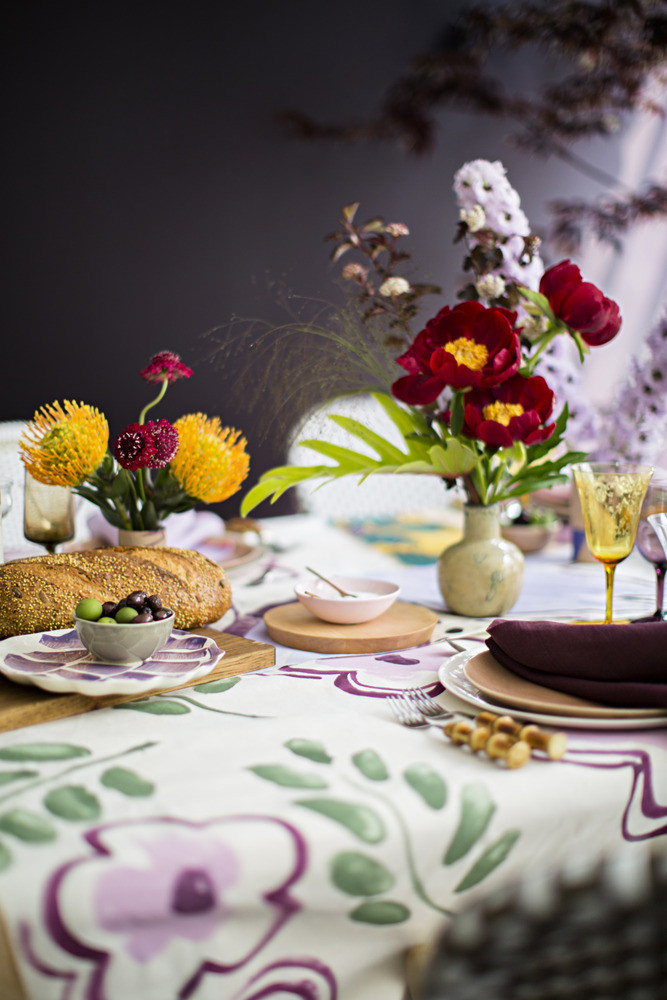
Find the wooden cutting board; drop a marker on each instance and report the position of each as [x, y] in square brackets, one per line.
[26, 705]
[400, 627]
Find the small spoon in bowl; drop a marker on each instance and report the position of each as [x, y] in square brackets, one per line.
[343, 593]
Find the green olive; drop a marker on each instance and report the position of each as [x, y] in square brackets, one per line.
[105, 620]
[124, 615]
[89, 609]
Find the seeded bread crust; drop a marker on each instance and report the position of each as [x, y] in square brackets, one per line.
[39, 594]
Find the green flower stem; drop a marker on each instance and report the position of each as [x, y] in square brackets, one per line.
[417, 883]
[122, 513]
[141, 486]
[75, 767]
[149, 406]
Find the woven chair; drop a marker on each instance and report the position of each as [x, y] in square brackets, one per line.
[377, 496]
[597, 932]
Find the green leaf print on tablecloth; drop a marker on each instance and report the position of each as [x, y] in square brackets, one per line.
[6, 777]
[126, 782]
[73, 802]
[27, 826]
[371, 765]
[43, 752]
[363, 822]
[489, 860]
[285, 776]
[158, 706]
[476, 812]
[217, 687]
[69, 802]
[428, 784]
[310, 749]
[381, 912]
[358, 874]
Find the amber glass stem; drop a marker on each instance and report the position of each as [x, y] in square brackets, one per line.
[609, 571]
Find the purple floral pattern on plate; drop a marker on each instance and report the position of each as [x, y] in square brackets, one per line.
[57, 661]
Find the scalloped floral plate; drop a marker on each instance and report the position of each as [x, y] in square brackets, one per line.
[57, 661]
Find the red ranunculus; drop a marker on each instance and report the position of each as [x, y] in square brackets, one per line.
[513, 411]
[580, 304]
[468, 346]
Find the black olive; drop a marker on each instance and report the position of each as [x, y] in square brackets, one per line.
[162, 613]
[142, 618]
[136, 599]
[154, 602]
[109, 609]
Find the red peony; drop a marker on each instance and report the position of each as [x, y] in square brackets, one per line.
[513, 411]
[580, 304]
[469, 346]
[165, 365]
[134, 448]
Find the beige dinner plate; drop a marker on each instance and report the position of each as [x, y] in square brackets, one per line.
[451, 674]
[492, 679]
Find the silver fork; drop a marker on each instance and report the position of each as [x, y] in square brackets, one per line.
[427, 705]
[408, 714]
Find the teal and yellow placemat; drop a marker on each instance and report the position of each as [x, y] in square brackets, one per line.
[410, 538]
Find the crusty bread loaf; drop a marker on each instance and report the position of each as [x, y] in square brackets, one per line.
[40, 593]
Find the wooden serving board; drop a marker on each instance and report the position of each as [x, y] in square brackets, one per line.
[400, 627]
[26, 705]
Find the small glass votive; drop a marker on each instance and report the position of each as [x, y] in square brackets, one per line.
[48, 514]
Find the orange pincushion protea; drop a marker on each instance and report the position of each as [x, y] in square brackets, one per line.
[64, 445]
[211, 461]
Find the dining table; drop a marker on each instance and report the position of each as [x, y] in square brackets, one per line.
[278, 832]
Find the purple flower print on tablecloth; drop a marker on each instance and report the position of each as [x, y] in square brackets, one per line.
[186, 878]
[169, 893]
[380, 674]
[300, 978]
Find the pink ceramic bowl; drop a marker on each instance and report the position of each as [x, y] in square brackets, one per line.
[375, 597]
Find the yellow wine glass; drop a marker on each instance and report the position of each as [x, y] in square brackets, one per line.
[611, 495]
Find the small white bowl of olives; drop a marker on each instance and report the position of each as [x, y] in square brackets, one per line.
[126, 632]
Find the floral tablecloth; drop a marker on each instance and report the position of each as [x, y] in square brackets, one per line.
[279, 834]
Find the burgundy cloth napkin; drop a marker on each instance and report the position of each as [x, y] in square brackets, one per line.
[623, 665]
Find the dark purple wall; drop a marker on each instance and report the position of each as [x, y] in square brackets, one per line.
[150, 190]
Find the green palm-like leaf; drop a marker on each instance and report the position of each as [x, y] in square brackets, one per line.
[425, 453]
[389, 453]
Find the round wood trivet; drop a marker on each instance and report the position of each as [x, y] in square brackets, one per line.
[400, 627]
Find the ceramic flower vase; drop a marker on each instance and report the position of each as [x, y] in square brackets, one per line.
[481, 576]
[152, 539]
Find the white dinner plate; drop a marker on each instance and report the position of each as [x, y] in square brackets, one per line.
[230, 550]
[57, 661]
[451, 675]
